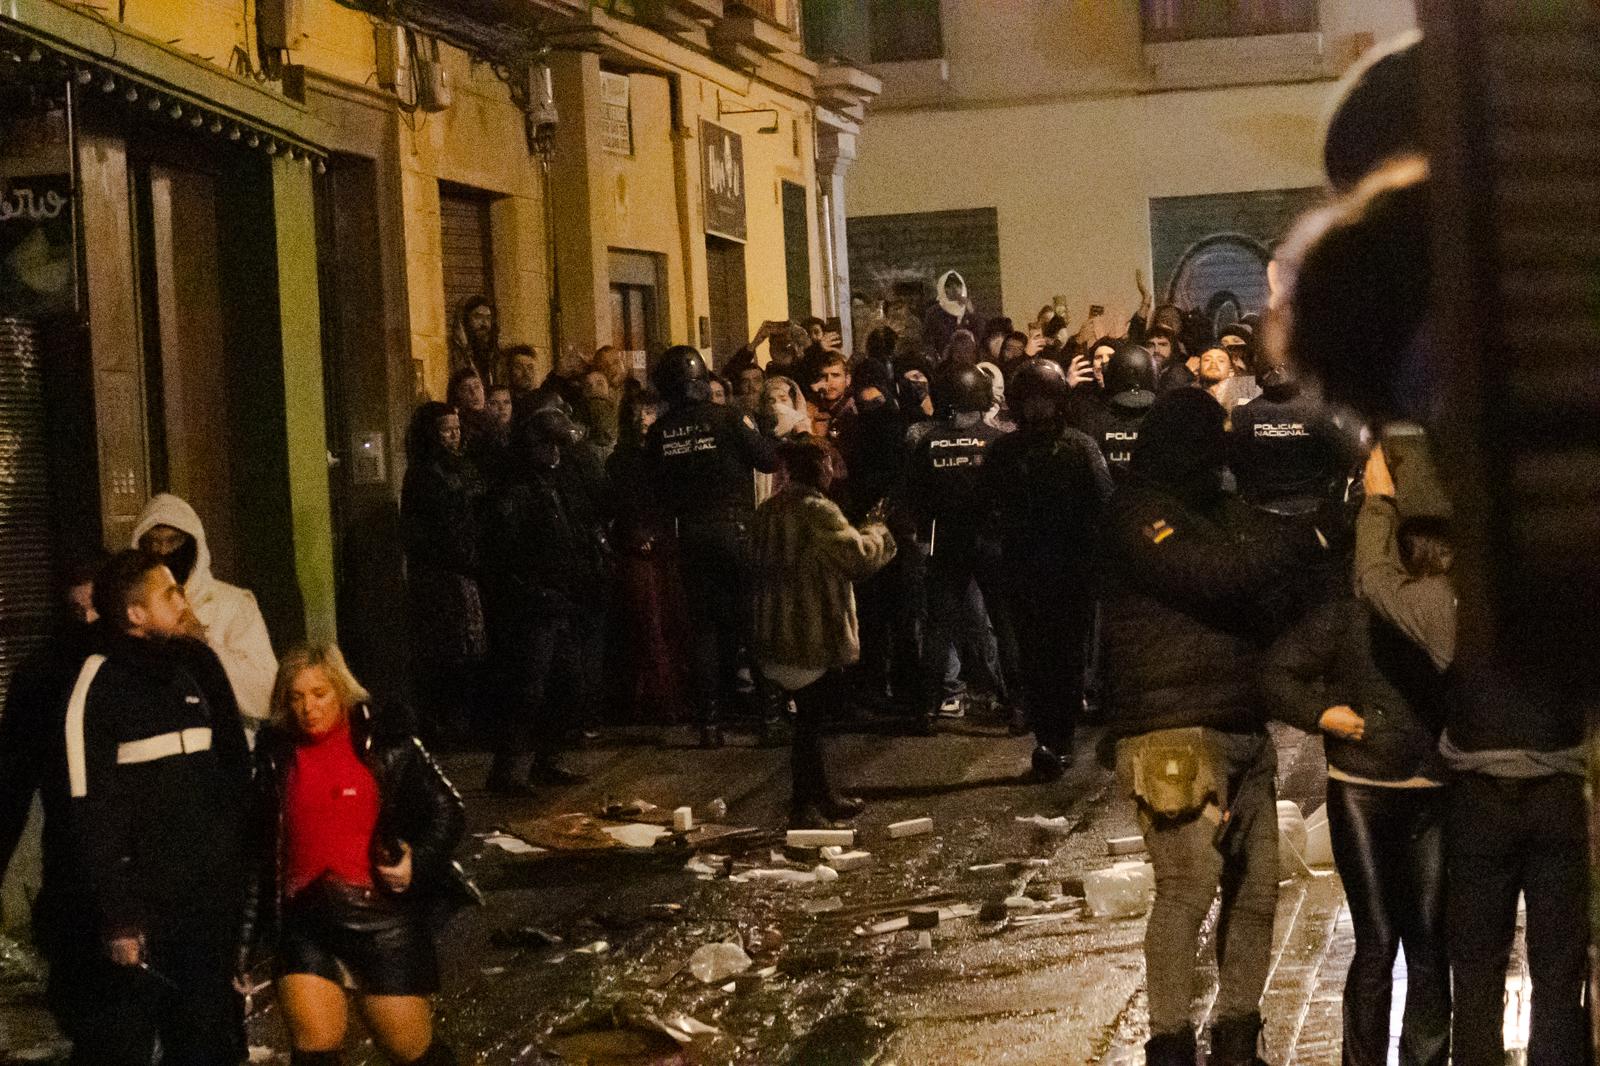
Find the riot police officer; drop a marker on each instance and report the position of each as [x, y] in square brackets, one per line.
[1112, 420]
[704, 456]
[1047, 483]
[1292, 457]
[945, 496]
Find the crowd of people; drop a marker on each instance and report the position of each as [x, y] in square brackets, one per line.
[1168, 526]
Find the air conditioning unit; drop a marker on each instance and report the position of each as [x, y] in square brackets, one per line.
[280, 24]
[392, 46]
[433, 85]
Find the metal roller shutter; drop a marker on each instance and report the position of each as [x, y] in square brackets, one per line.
[25, 532]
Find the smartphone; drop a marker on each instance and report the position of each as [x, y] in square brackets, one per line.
[833, 325]
[1096, 310]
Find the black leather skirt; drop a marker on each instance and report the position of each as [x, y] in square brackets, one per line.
[359, 937]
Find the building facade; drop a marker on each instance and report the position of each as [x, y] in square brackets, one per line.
[266, 218]
[1050, 150]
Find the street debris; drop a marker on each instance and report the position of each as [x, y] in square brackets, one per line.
[512, 845]
[1125, 890]
[523, 937]
[1319, 846]
[911, 827]
[683, 819]
[1058, 825]
[846, 861]
[819, 838]
[1117, 846]
[635, 834]
[564, 832]
[714, 963]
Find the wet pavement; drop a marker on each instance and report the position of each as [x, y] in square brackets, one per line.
[1056, 986]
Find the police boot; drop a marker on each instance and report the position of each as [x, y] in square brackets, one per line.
[1171, 1049]
[316, 1058]
[438, 1054]
[1048, 767]
[1234, 1041]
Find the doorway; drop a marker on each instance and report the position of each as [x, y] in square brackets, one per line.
[796, 251]
[725, 286]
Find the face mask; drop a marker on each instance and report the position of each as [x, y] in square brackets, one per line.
[181, 561]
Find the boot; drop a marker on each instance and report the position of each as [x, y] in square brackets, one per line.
[1234, 1041]
[841, 808]
[438, 1054]
[1047, 766]
[552, 774]
[1171, 1049]
[316, 1058]
[810, 816]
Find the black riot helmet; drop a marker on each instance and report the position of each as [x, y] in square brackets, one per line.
[1130, 377]
[1038, 391]
[961, 387]
[681, 376]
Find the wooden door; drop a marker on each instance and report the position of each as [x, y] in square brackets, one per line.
[725, 285]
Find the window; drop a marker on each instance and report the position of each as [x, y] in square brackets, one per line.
[905, 31]
[1188, 20]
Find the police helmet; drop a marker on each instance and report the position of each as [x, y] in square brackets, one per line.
[681, 376]
[963, 387]
[548, 425]
[1037, 379]
[1130, 375]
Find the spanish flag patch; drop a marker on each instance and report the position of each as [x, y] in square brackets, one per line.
[1158, 531]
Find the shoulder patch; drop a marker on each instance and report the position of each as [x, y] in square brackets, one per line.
[1158, 531]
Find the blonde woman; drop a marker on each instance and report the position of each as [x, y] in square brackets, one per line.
[355, 828]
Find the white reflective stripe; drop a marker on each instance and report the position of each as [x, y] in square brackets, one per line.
[164, 746]
[77, 764]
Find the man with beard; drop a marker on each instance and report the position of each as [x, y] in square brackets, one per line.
[1172, 361]
[1195, 589]
[703, 456]
[1048, 483]
[1113, 421]
[475, 342]
[158, 771]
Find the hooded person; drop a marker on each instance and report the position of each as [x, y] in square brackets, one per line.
[475, 342]
[235, 630]
[952, 310]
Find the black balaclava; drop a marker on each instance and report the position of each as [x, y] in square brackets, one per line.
[1183, 446]
[181, 559]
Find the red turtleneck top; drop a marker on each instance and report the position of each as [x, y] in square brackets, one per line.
[330, 812]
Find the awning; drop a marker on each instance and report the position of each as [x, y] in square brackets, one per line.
[106, 55]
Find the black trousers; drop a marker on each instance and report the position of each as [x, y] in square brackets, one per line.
[1506, 837]
[808, 770]
[713, 559]
[62, 931]
[185, 999]
[1388, 844]
[1053, 621]
[557, 652]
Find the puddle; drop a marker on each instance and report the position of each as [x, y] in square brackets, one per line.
[844, 1040]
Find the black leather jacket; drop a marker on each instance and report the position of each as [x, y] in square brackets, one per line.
[417, 805]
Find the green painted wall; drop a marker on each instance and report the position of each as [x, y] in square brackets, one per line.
[299, 310]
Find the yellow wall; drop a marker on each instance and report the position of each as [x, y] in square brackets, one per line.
[650, 201]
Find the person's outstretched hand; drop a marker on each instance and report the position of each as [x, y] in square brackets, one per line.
[1377, 480]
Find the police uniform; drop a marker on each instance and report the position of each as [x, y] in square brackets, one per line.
[1114, 427]
[704, 455]
[944, 489]
[1048, 484]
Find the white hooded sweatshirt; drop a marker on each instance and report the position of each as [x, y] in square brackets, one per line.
[234, 626]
